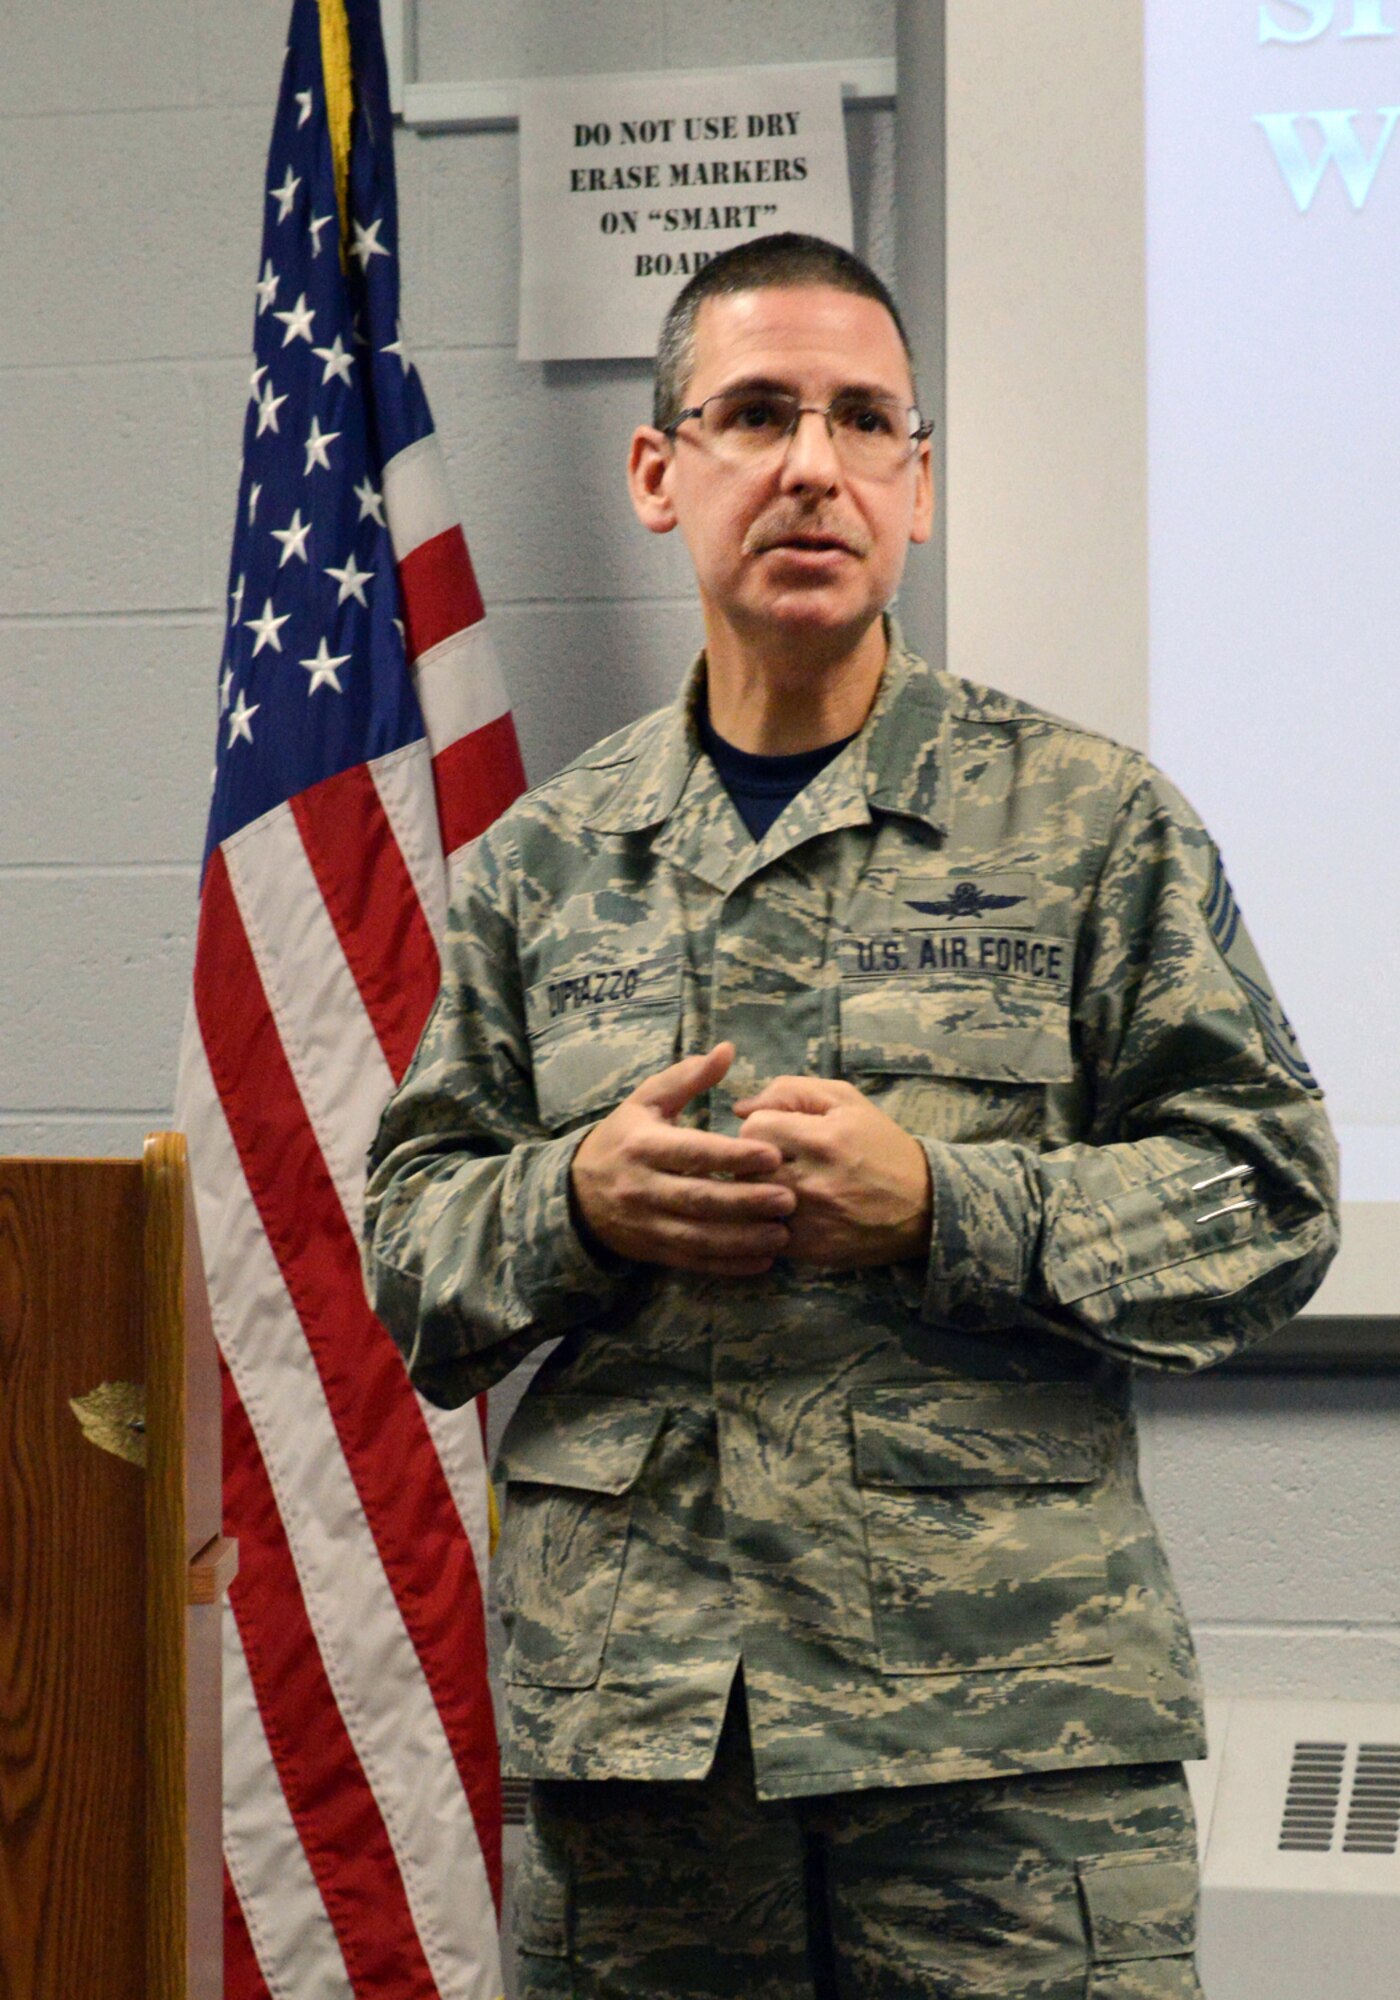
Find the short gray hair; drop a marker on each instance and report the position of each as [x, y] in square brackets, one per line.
[785, 259]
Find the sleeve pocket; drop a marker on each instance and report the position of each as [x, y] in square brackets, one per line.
[1140, 1917]
[1168, 1223]
[570, 1464]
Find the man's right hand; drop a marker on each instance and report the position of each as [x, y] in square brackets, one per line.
[663, 1193]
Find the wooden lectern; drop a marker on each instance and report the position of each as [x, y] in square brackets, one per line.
[112, 1568]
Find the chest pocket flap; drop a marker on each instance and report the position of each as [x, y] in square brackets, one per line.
[595, 1034]
[1005, 1030]
[1015, 1436]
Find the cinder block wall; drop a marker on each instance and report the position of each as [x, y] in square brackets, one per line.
[132, 148]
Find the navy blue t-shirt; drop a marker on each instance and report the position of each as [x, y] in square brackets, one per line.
[761, 786]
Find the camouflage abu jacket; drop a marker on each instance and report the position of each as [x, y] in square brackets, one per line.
[906, 1497]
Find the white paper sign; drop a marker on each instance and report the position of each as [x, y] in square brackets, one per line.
[629, 184]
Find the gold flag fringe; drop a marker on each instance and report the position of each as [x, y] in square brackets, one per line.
[335, 70]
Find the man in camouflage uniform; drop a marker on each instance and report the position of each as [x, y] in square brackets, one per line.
[857, 1162]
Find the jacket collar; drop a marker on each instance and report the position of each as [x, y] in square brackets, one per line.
[906, 737]
[898, 762]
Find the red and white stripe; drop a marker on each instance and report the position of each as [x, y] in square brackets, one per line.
[362, 1811]
[476, 765]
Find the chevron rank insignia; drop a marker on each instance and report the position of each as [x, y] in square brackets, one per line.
[1236, 947]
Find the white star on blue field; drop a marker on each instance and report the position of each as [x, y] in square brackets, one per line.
[312, 678]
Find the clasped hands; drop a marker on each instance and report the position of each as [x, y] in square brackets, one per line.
[816, 1173]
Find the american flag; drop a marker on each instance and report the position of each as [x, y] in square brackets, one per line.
[363, 740]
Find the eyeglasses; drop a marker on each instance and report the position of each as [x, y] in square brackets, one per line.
[874, 435]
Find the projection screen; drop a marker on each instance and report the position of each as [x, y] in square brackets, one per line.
[1171, 411]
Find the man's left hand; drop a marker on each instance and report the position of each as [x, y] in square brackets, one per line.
[861, 1181]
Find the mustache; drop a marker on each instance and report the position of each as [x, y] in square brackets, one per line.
[787, 523]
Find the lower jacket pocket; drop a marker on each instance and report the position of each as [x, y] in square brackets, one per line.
[982, 1527]
[570, 1464]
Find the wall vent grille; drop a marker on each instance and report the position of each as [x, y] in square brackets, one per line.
[1314, 1794]
[1373, 1814]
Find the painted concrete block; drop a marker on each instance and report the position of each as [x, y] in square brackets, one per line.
[137, 233]
[99, 495]
[94, 974]
[108, 740]
[1278, 1499]
[537, 455]
[1291, 1663]
[870, 153]
[537, 38]
[411, 170]
[239, 51]
[83, 1137]
[459, 201]
[575, 673]
[728, 34]
[223, 391]
[69, 55]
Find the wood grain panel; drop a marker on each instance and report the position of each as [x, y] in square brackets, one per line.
[184, 1902]
[166, 1559]
[213, 1570]
[72, 1586]
[204, 1803]
[204, 1510]
[204, 1417]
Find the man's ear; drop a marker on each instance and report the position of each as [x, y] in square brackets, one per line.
[921, 527]
[649, 466]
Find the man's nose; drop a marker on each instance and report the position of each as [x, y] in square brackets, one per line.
[810, 457]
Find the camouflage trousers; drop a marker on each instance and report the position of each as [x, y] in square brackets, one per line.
[1068, 1885]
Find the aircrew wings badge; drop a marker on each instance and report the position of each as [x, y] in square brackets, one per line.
[964, 899]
